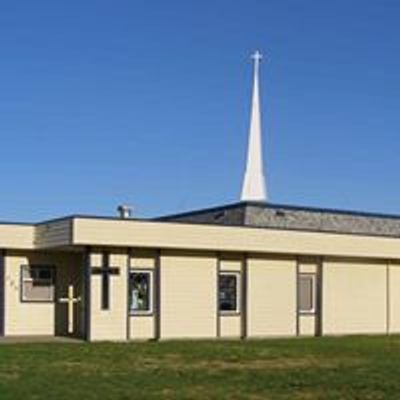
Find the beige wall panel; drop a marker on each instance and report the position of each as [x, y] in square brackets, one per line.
[230, 263]
[96, 259]
[153, 234]
[16, 236]
[308, 267]
[271, 297]
[109, 324]
[188, 295]
[394, 298]
[132, 233]
[24, 318]
[354, 297]
[143, 259]
[307, 325]
[30, 318]
[230, 326]
[142, 327]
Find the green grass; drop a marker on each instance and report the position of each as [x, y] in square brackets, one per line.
[316, 368]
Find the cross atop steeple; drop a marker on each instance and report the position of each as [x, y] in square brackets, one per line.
[254, 182]
[257, 56]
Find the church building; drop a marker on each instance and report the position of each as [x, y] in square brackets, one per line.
[251, 269]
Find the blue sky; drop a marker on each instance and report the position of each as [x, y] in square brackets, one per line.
[147, 103]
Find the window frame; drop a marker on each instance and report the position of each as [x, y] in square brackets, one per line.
[53, 280]
[313, 277]
[237, 310]
[150, 311]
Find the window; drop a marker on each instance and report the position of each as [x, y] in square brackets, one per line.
[140, 292]
[38, 283]
[228, 292]
[307, 293]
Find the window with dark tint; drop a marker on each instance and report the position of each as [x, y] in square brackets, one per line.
[37, 283]
[228, 292]
[140, 291]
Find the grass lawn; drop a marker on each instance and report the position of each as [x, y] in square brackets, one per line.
[316, 368]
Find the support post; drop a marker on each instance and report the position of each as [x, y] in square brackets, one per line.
[297, 297]
[157, 297]
[87, 292]
[218, 317]
[319, 314]
[243, 310]
[129, 254]
[2, 291]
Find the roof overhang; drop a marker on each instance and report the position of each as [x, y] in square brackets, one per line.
[169, 235]
[15, 236]
[74, 232]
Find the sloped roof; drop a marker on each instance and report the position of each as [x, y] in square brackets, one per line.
[275, 216]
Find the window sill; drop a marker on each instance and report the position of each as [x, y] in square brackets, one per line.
[141, 314]
[229, 313]
[38, 301]
[307, 313]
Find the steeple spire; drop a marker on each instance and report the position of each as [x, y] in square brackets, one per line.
[254, 182]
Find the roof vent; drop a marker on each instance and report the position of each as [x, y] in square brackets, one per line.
[124, 211]
[219, 215]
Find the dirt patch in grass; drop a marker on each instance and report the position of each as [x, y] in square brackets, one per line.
[276, 364]
[11, 375]
[177, 362]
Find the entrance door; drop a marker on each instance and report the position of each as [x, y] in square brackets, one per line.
[69, 302]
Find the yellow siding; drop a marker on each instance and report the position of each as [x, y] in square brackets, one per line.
[230, 326]
[188, 295]
[153, 234]
[354, 297]
[16, 236]
[394, 298]
[109, 324]
[143, 327]
[143, 259]
[53, 234]
[271, 296]
[360, 292]
[308, 266]
[131, 233]
[230, 263]
[29, 318]
[307, 325]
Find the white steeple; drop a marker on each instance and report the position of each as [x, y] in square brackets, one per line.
[254, 182]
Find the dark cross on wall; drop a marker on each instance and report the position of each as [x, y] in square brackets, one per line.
[105, 271]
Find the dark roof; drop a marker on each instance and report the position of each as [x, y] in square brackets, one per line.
[276, 216]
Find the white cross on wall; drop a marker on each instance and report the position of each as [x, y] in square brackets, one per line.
[70, 300]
